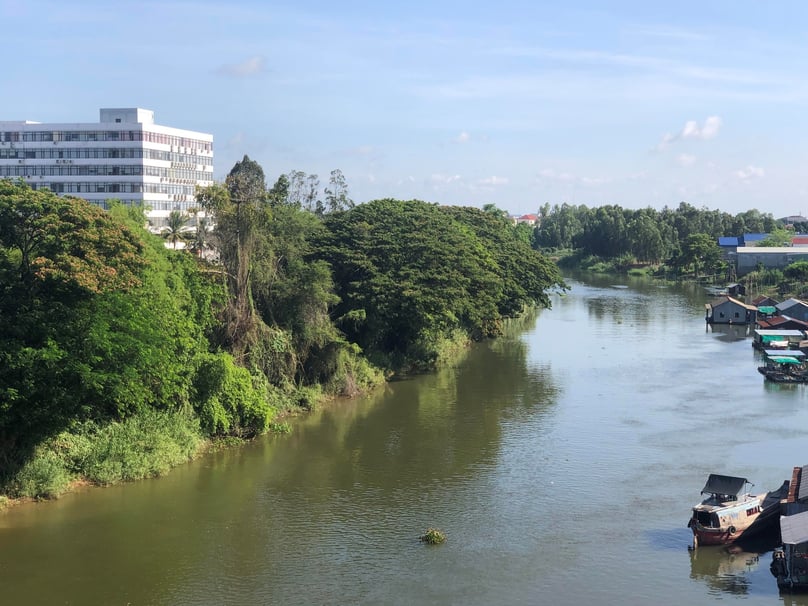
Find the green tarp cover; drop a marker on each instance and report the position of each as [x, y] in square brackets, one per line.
[770, 338]
[786, 360]
[767, 309]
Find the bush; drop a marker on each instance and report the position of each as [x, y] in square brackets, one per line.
[231, 400]
[145, 446]
[43, 477]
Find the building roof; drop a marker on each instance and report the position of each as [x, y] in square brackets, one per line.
[754, 237]
[789, 303]
[771, 250]
[794, 528]
[779, 333]
[799, 241]
[728, 241]
[784, 353]
[727, 299]
[761, 298]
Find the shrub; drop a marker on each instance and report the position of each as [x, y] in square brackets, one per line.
[231, 400]
[43, 477]
[145, 446]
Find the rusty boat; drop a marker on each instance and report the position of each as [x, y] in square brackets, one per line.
[729, 510]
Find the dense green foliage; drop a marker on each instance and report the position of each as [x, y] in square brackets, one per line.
[119, 355]
[645, 235]
[98, 322]
[410, 274]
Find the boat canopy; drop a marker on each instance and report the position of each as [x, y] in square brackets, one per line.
[772, 332]
[769, 310]
[785, 360]
[794, 528]
[728, 485]
[784, 353]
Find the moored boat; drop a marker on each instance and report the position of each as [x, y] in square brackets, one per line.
[729, 511]
[784, 366]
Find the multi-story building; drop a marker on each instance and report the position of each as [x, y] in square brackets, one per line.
[125, 156]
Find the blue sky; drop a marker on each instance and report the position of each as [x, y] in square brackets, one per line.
[512, 103]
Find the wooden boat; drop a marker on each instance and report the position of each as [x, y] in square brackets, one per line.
[729, 511]
[784, 367]
[790, 563]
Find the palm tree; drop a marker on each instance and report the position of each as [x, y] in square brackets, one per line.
[199, 241]
[173, 231]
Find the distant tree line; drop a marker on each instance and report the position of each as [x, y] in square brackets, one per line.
[676, 236]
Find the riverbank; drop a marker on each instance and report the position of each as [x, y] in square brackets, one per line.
[152, 444]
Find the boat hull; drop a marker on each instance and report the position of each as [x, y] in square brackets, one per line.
[731, 522]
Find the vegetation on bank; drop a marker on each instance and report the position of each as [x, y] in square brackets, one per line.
[120, 357]
[671, 244]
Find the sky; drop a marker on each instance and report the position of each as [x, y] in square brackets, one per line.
[513, 103]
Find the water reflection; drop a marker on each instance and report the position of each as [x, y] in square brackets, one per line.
[731, 568]
[729, 333]
[724, 569]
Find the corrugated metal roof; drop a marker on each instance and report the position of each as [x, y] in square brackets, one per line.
[794, 528]
[779, 333]
[790, 353]
[803, 487]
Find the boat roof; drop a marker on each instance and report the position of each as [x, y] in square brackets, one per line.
[784, 353]
[768, 332]
[718, 484]
[794, 528]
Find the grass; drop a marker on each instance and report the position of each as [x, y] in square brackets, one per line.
[144, 446]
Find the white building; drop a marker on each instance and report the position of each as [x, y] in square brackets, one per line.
[125, 156]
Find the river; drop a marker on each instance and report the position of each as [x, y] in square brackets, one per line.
[561, 461]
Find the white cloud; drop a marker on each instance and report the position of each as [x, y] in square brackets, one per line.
[750, 172]
[248, 67]
[441, 179]
[493, 181]
[692, 130]
[685, 160]
[463, 137]
[708, 131]
[549, 173]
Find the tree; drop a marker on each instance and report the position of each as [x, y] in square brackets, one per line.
[279, 194]
[797, 271]
[644, 238]
[311, 198]
[175, 229]
[336, 195]
[700, 251]
[409, 274]
[777, 237]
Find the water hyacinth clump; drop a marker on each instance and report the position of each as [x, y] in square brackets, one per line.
[433, 536]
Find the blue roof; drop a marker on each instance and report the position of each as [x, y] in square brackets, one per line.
[754, 237]
[728, 241]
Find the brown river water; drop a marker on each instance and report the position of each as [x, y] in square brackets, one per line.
[561, 461]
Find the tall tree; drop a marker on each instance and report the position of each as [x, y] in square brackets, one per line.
[336, 194]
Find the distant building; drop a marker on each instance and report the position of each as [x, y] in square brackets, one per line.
[792, 219]
[793, 308]
[747, 258]
[799, 240]
[125, 156]
[531, 220]
[728, 310]
[751, 239]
